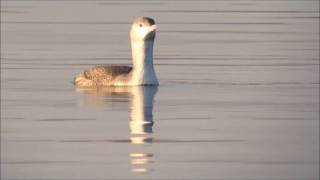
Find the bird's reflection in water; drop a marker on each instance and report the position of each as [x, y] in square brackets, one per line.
[141, 118]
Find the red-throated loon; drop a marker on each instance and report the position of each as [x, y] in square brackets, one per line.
[142, 35]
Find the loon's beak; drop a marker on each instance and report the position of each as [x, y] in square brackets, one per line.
[153, 28]
[151, 32]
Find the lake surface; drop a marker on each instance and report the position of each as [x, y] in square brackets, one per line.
[238, 95]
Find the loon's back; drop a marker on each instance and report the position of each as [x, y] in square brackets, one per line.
[104, 75]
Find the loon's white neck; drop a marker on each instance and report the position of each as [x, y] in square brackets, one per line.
[142, 56]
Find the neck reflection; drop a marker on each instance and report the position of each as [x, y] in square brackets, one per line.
[141, 114]
[141, 124]
[141, 119]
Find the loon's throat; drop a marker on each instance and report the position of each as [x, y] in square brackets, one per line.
[142, 57]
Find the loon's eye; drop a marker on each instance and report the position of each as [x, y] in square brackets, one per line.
[140, 25]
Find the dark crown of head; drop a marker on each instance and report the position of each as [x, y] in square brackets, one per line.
[145, 20]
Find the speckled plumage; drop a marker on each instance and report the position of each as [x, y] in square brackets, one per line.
[103, 75]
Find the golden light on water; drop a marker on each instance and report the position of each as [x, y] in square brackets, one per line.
[140, 162]
[138, 126]
[139, 170]
[139, 155]
[138, 140]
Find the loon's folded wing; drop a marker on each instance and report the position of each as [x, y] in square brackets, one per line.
[101, 75]
[106, 72]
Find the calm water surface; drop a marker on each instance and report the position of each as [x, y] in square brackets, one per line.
[238, 97]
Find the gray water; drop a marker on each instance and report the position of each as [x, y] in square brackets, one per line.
[238, 95]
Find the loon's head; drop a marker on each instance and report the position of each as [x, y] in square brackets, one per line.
[143, 29]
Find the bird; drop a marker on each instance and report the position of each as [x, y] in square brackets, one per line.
[141, 73]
